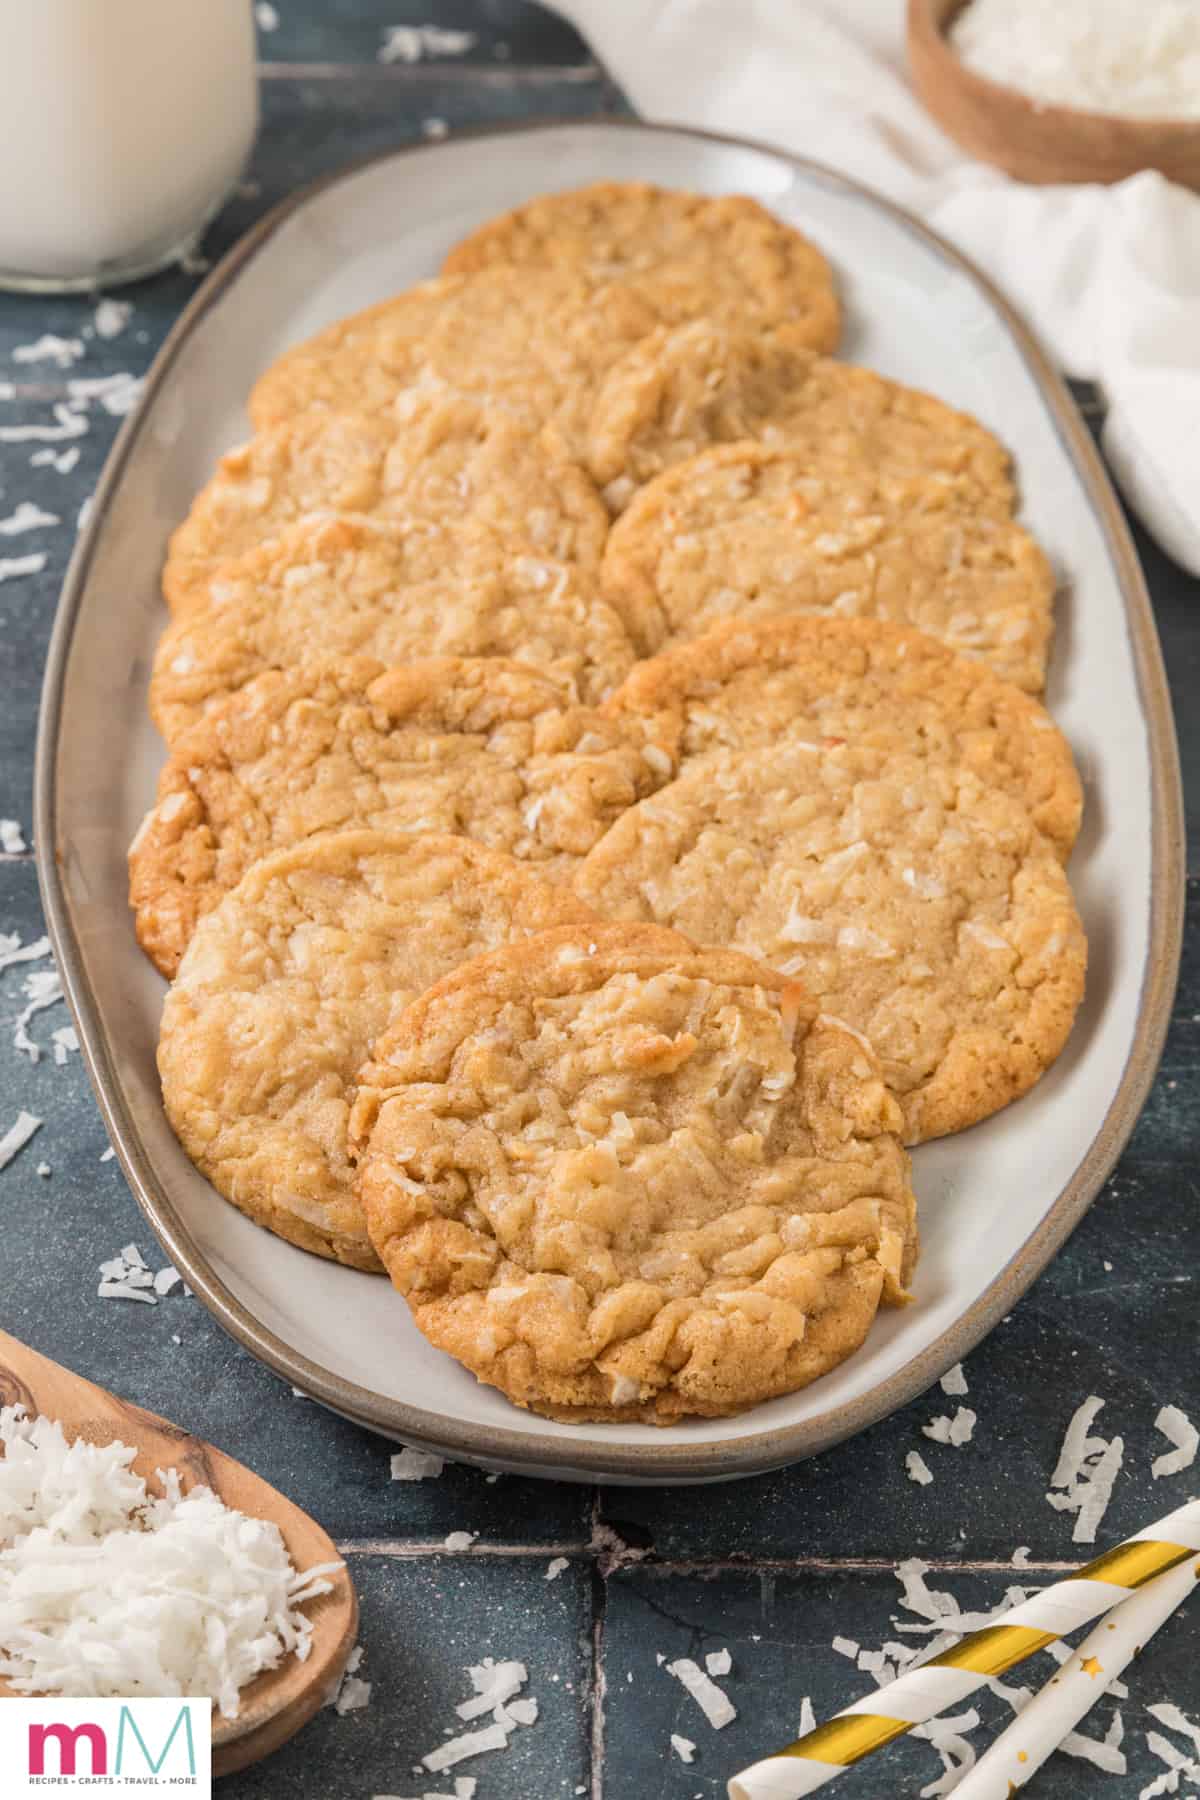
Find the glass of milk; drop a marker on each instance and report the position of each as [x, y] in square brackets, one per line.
[124, 125]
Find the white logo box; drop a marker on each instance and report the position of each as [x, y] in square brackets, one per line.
[49, 1744]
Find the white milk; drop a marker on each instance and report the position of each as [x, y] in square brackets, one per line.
[123, 125]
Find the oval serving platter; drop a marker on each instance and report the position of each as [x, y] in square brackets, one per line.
[996, 1201]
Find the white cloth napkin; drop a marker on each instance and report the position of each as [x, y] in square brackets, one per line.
[1110, 276]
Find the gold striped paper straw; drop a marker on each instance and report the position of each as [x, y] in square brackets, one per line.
[944, 1681]
[1039, 1728]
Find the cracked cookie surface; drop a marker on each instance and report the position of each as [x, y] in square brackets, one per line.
[619, 1177]
[687, 255]
[344, 587]
[921, 907]
[468, 483]
[752, 531]
[289, 982]
[747, 684]
[531, 343]
[484, 749]
[680, 391]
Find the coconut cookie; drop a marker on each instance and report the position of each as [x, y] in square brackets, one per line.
[533, 341]
[920, 907]
[621, 1178]
[749, 530]
[289, 982]
[687, 255]
[469, 484]
[747, 684]
[345, 587]
[680, 391]
[485, 749]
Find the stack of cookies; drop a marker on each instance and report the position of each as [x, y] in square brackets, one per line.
[608, 815]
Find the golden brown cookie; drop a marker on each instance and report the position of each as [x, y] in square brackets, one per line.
[680, 391]
[286, 986]
[922, 908]
[688, 255]
[534, 342]
[345, 587]
[468, 483]
[749, 530]
[619, 1177]
[486, 749]
[750, 683]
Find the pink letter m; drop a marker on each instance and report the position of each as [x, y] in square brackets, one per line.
[67, 1737]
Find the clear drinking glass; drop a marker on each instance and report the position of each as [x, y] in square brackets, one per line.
[124, 125]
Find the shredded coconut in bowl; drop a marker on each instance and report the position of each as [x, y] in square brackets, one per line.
[1142, 61]
[107, 1589]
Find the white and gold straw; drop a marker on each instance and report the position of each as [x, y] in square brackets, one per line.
[1039, 1728]
[946, 1680]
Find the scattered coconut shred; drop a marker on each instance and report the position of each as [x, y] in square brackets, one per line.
[106, 1589]
[1107, 56]
[1086, 1472]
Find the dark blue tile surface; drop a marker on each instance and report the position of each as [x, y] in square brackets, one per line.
[506, 33]
[773, 1568]
[779, 1627]
[423, 1624]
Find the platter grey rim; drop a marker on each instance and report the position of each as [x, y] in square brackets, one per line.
[515, 1448]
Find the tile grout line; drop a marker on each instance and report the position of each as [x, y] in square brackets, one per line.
[428, 74]
[598, 1582]
[403, 1549]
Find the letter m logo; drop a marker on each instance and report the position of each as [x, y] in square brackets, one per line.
[154, 1764]
[67, 1738]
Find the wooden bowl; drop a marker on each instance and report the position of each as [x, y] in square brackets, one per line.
[1030, 139]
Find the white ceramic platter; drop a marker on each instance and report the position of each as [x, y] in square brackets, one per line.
[996, 1201]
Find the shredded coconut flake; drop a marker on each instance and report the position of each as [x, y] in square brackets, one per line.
[416, 1465]
[17, 1136]
[42, 988]
[111, 317]
[1107, 56]
[63, 351]
[1086, 1471]
[459, 1540]
[412, 43]
[954, 1382]
[13, 567]
[555, 1567]
[105, 1589]
[12, 950]
[1103, 1753]
[61, 462]
[353, 1696]
[265, 16]
[27, 517]
[957, 1431]
[127, 1276]
[683, 1747]
[917, 1469]
[471, 1743]
[67, 424]
[717, 1707]
[118, 394]
[494, 1683]
[1175, 1425]
[718, 1662]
